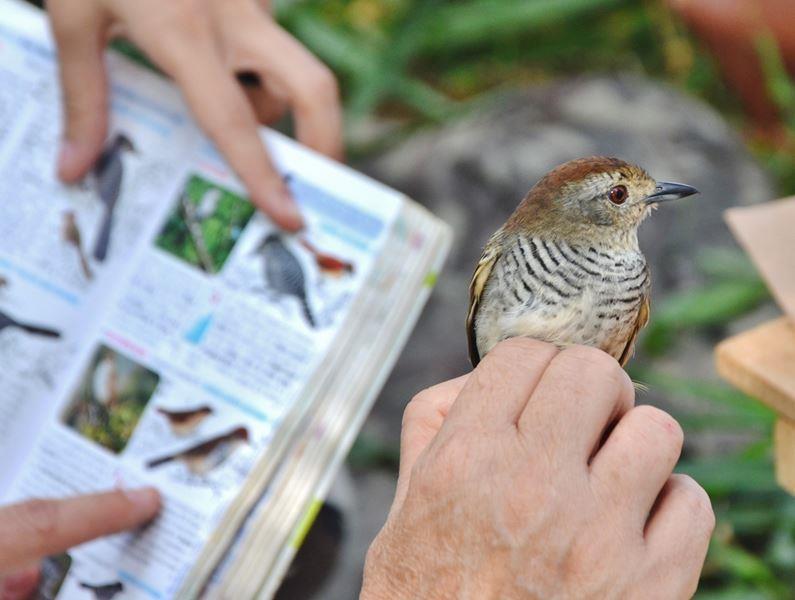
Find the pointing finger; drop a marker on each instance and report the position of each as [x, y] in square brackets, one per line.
[221, 109]
[79, 30]
[34, 529]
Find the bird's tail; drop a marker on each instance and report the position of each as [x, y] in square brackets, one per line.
[308, 313]
[103, 240]
[44, 331]
[160, 461]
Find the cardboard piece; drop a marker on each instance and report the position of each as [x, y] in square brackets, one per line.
[767, 233]
[761, 362]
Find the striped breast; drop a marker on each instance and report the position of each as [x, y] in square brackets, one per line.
[564, 294]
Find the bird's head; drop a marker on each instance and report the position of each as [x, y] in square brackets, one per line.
[241, 433]
[124, 142]
[593, 197]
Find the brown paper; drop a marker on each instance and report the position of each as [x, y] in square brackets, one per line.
[767, 233]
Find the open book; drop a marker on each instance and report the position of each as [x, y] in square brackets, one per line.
[156, 329]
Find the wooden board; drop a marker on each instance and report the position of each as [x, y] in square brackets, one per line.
[765, 231]
[761, 362]
[785, 454]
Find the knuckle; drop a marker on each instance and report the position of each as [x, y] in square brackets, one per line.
[414, 408]
[699, 503]
[662, 424]
[323, 84]
[181, 14]
[593, 360]
[518, 347]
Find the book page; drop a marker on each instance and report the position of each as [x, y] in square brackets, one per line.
[62, 248]
[196, 326]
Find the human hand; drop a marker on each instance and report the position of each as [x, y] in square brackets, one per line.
[32, 530]
[202, 45]
[534, 476]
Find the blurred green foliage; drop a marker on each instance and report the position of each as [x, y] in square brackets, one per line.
[111, 419]
[411, 64]
[218, 217]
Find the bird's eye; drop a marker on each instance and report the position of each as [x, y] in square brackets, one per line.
[618, 195]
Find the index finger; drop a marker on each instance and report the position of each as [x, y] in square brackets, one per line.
[221, 108]
[498, 389]
[37, 528]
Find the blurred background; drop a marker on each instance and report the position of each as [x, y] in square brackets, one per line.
[464, 105]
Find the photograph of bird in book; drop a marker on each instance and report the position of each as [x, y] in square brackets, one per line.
[110, 398]
[566, 267]
[205, 224]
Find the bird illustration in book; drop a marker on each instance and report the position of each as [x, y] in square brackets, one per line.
[208, 204]
[105, 381]
[566, 267]
[185, 422]
[202, 458]
[7, 322]
[104, 591]
[71, 235]
[283, 272]
[328, 264]
[107, 175]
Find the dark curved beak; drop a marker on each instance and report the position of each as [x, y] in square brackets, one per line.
[666, 190]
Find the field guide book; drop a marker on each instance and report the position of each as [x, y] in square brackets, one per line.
[156, 329]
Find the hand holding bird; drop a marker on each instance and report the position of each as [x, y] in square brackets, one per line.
[566, 267]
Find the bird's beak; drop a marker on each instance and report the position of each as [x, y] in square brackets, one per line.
[666, 190]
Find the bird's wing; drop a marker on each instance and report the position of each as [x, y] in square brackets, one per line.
[640, 323]
[476, 287]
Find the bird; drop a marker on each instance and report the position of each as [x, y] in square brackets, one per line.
[108, 173]
[185, 422]
[7, 321]
[208, 203]
[206, 456]
[566, 267]
[71, 235]
[105, 381]
[104, 591]
[283, 272]
[328, 264]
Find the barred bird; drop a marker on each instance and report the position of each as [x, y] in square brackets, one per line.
[566, 267]
[107, 175]
[283, 272]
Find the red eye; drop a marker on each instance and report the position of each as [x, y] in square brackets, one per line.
[618, 195]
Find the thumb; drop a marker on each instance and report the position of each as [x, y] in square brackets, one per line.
[20, 585]
[422, 420]
[37, 528]
[79, 31]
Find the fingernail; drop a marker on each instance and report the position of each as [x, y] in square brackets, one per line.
[67, 158]
[20, 585]
[292, 214]
[146, 500]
